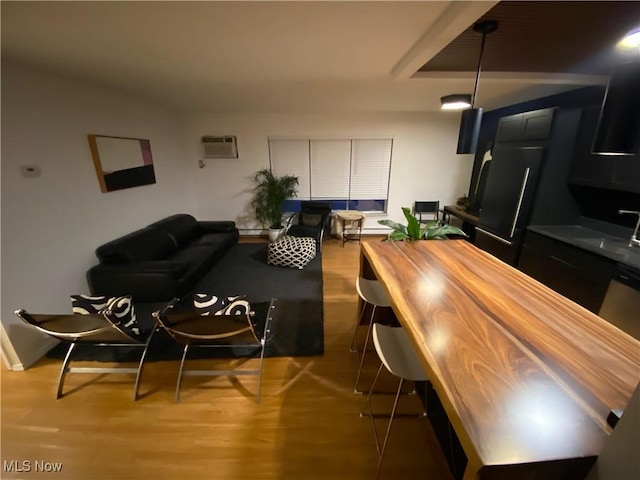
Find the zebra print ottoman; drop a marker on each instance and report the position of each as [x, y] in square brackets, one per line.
[291, 252]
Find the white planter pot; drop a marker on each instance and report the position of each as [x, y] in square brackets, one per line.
[275, 234]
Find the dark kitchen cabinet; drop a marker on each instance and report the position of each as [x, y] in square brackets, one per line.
[575, 273]
[527, 182]
[505, 250]
[535, 125]
[614, 172]
[444, 432]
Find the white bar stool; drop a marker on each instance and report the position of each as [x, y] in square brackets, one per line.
[398, 356]
[371, 292]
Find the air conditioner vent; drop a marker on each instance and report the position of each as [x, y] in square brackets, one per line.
[220, 147]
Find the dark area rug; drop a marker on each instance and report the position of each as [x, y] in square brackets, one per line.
[296, 329]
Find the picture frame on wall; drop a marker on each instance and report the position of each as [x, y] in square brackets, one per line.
[121, 162]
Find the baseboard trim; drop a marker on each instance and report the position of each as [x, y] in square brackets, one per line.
[35, 355]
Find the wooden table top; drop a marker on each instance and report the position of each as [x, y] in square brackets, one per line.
[524, 374]
[350, 214]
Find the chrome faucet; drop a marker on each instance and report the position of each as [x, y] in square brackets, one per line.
[635, 241]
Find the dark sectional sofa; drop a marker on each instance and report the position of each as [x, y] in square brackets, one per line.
[161, 261]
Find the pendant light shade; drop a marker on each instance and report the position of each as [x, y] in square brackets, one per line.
[472, 118]
[457, 101]
[469, 130]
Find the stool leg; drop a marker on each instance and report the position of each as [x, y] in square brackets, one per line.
[354, 344]
[364, 350]
[370, 412]
[386, 437]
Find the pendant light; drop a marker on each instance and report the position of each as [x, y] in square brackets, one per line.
[472, 117]
[457, 101]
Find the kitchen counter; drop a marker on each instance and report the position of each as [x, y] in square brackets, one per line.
[525, 376]
[607, 245]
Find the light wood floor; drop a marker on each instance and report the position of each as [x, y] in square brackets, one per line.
[306, 427]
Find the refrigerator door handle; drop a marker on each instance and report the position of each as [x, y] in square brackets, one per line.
[495, 237]
[525, 179]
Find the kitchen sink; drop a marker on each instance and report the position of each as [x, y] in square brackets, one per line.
[614, 247]
[619, 247]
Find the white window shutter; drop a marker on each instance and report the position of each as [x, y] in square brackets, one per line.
[291, 157]
[330, 164]
[370, 168]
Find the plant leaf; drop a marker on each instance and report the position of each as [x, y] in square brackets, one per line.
[396, 235]
[441, 232]
[413, 226]
[395, 226]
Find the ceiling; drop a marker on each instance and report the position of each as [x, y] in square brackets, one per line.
[270, 57]
[571, 37]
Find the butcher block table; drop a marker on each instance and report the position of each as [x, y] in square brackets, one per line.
[526, 376]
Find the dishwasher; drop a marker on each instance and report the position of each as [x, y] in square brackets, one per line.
[621, 305]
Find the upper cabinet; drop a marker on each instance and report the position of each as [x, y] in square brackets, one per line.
[618, 131]
[535, 125]
[612, 171]
[607, 152]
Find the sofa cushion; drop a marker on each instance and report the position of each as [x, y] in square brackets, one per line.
[310, 219]
[88, 304]
[304, 231]
[118, 310]
[182, 228]
[221, 241]
[138, 246]
[198, 259]
[207, 304]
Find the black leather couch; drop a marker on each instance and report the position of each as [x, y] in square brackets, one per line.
[161, 261]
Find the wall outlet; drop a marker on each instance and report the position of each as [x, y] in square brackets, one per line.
[30, 171]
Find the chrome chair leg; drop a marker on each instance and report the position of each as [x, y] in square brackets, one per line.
[259, 394]
[386, 437]
[184, 354]
[364, 351]
[64, 370]
[354, 345]
[141, 366]
[370, 412]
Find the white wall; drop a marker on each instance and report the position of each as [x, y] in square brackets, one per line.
[424, 163]
[52, 224]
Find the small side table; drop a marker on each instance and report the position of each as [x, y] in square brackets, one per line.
[350, 220]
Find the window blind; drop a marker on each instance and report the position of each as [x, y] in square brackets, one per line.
[370, 168]
[330, 164]
[291, 157]
[353, 174]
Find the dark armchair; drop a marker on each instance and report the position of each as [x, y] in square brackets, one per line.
[313, 221]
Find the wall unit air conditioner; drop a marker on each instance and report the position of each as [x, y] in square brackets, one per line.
[220, 147]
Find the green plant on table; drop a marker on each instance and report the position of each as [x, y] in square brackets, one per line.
[269, 194]
[414, 231]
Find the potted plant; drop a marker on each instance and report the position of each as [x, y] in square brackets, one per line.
[413, 231]
[463, 203]
[270, 193]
